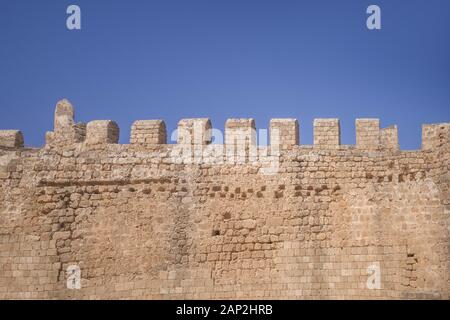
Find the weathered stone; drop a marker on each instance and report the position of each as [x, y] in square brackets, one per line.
[11, 138]
[102, 132]
[66, 131]
[368, 134]
[148, 132]
[240, 140]
[327, 133]
[140, 222]
[435, 135]
[284, 133]
[194, 131]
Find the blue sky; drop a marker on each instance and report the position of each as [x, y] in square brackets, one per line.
[222, 59]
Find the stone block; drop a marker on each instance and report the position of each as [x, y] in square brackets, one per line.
[195, 131]
[64, 116]
[102, 132]
[389, 138]
[367, 134]
[148, 132]
[284, 133]
[65, 131]
[240, 140]
[11, 139]
[435, 135]
[239, 131]
[327, 133]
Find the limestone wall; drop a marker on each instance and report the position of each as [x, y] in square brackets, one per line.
[169, 221]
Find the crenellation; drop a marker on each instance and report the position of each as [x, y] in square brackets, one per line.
[140, 222]
[435, 135]
[284, 133]
[240, 139]
[66, 131]
[327, 133]
[11, 139]
[389, 138]
[195, 131]
[148, 132]
[367, 134]
[240, 131]
[370, 137]
[102, 132]
[64, 116]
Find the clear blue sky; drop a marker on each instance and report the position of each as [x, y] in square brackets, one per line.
[220, 59]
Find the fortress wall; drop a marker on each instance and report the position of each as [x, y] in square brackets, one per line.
[151, 223]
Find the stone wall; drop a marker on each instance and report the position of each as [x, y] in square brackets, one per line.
[143, 220]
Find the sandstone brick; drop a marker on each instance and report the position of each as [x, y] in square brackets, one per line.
[138, 223]
[102, 132]
[148, 132]
[11, 139]
[327, 133]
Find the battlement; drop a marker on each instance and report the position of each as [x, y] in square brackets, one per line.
[435, 135]
[102, 132]
[65, 130]
[369, 136]
[194, 131]
[327, 133]
[11, 139]
[148, 132]
[223, 215]
[239, 133]
[284, 133]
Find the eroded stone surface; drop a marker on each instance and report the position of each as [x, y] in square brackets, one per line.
[140, 225]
